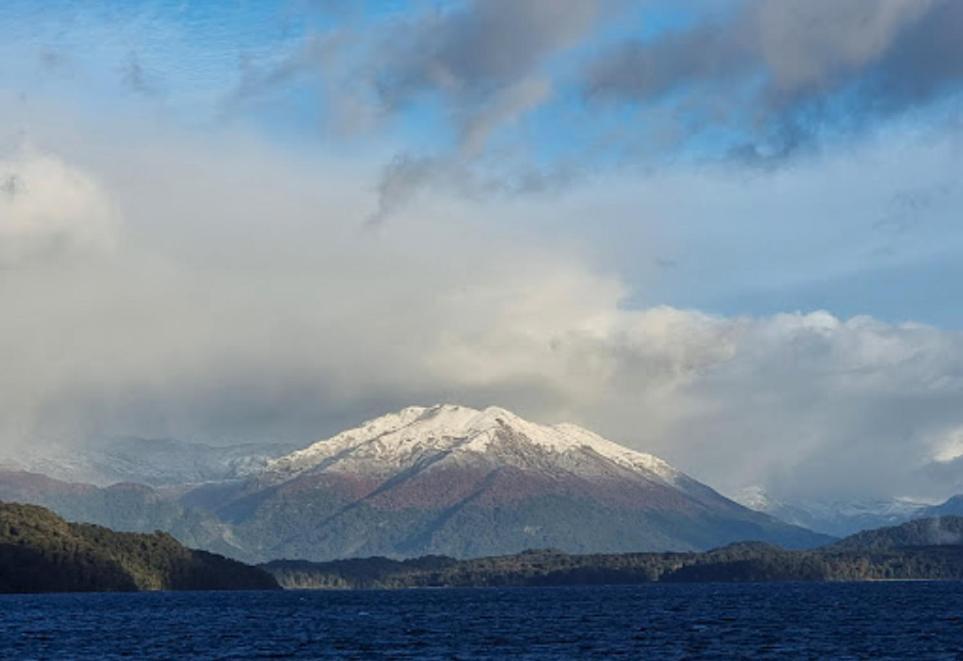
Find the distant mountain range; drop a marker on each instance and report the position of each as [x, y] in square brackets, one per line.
[841, 518]
[173, 466]
[444, 479]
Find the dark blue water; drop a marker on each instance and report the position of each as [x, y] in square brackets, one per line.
[895, 620]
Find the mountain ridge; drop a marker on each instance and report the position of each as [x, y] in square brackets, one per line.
[456, 429]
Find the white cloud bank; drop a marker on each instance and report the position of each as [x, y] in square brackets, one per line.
[48, 208]
[231, 293]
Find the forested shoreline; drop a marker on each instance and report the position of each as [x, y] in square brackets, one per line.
[41, 552]
[925, 549]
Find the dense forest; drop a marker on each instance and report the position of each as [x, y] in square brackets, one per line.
[924, 549]
[41, 552]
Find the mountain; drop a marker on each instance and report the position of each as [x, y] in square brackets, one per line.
[40, 552]
[837, 517]
[124, 506]
[155, 462]
[927, 549]
[951, 507]
[935, 531]
[457, 481]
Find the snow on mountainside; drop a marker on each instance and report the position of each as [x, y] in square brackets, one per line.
[834, 517]
[451, 434]
[157, 462]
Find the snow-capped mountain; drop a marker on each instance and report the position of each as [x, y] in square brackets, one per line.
[443, 479]
[452, 435]
[455, 480]
[835, 517]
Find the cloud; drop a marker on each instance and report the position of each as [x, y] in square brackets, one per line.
[215, 288]
[780, 73]
[948, 446]
[487, 63]
[755, 81]
[50, 209]
[805, 404]
[507, 106]
[472, 55]
[315, 56]
[400, 181]
[408, 174]
[245, 304]
[483, 60]
[484, 63]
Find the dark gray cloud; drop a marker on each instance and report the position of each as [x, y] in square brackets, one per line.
[478, 56]
[400, 181]
[781, 72]
[408, 173]
[485, 62]
[484, 59]
[485, 45]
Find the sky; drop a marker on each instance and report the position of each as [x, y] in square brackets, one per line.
[728, 233]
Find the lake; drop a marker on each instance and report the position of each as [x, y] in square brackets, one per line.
[855, 620]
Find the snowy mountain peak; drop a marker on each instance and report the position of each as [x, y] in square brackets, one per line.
[833, 517]
[450, 433]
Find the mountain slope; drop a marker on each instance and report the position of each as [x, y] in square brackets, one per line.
[951, 507]
[125, 507]
[935, 531]
[457, 481]
[40, 552]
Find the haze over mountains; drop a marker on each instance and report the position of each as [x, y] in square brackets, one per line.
[152, 461]
[443, 479]
[839, 517]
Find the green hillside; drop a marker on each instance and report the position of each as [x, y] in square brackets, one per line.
[41, 552]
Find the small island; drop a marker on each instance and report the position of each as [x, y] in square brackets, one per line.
[923, 549]
[41, 552]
